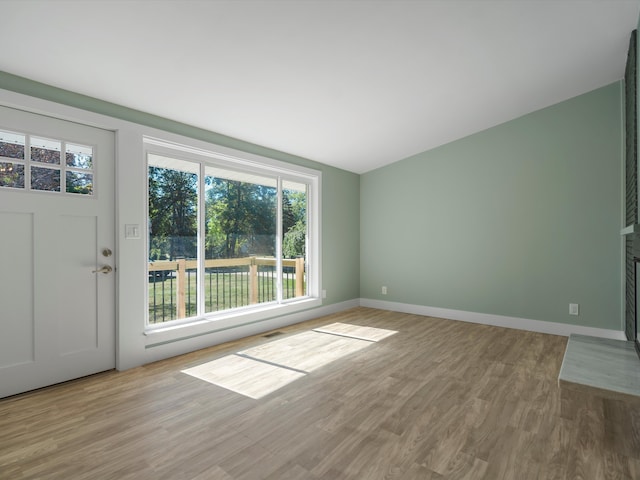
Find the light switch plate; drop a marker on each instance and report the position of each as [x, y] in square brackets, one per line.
[132, 231]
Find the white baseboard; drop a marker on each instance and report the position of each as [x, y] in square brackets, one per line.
[553, 328]
[171, 349]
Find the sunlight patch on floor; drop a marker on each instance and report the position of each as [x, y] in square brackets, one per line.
[356, 331]
[306, 351]
[261, 370]
[244, 376]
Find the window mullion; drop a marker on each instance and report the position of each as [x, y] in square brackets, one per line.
[63, 167]
[27, 162]
[200, 277]
[279, 216]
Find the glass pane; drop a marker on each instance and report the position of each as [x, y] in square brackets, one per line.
[45, 179]
[173, 239]
[294, 240]
[79, 156]
[45, 151]
[11, 175]
[240, 239]
[81, 183]
[11, 145]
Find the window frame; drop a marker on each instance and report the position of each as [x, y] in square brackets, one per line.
[222, 157]
[63, 169]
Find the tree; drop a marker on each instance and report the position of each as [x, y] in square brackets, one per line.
[293, 244]
[173, 204]
[241, 218]
[294, 223]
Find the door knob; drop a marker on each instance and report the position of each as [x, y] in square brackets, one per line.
[104, 269]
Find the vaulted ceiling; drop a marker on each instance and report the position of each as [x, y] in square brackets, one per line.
[354, 84]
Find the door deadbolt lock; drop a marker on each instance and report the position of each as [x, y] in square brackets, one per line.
[106, 252]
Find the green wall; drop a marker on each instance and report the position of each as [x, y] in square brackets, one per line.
[341, 246]
[518, 220]
[340, 189]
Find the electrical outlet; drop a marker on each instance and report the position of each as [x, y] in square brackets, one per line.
[324, 294]
[384, 290]
[574, 309]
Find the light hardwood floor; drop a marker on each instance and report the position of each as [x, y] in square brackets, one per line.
[438, 400]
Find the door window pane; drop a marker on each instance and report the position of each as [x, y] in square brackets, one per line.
[11, 145]
[81, 183]
[46, 179]
[45, 151]
[79, 156]
[11, 175]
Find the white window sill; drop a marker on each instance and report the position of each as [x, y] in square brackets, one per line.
[158, 335]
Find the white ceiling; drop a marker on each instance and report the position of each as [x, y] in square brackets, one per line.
[353, 84]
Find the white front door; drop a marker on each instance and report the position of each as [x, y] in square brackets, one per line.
[57, 267]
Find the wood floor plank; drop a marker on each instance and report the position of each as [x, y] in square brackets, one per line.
[438, 400]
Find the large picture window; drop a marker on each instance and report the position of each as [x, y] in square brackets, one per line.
[226, 235]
